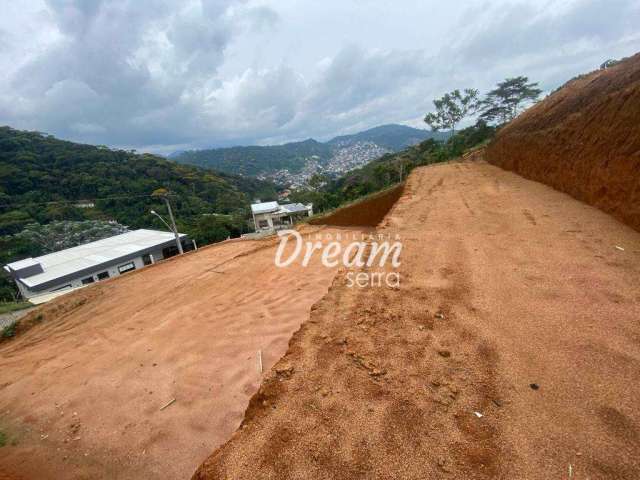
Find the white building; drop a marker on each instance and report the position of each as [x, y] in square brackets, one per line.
[75, 267]
[270, 216]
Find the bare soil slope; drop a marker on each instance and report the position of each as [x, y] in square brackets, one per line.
[583, 140]
[505, 283]
[368, 212]
[82, 392]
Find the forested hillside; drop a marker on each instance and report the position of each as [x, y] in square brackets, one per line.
[254, 160]
[43, 179]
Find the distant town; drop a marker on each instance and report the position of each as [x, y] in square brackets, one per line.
[346, 158]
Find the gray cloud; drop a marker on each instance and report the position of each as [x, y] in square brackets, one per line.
[167, 74]
[524, 30]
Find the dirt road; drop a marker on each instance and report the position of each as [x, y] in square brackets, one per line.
[511, 349]
[82, 393]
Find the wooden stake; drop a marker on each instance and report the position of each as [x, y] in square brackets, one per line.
[260, 361]
[167, 404]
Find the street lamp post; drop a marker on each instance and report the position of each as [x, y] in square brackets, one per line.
[173, 222]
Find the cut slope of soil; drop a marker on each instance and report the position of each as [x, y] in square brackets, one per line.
[82, 392]
[368, 212]
[583, 140]
[505, 283]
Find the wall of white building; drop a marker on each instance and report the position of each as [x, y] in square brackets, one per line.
[113, 271]
[262, 217]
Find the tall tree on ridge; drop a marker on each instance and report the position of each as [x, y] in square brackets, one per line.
[507, 100]
[452, 108]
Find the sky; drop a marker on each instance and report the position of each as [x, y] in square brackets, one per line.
[167, 75]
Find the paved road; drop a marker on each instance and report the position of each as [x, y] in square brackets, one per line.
[511, 349]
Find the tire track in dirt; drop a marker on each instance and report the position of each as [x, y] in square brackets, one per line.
[386, 383]
[529, 216]
[373, 377]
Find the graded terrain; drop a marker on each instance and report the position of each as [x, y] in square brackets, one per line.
[510, 350]
[82, 392]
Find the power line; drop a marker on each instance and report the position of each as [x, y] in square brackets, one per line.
[54, 202]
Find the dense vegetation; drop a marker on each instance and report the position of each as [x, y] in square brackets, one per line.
[44, 179]
[61, 234]
[254, 160]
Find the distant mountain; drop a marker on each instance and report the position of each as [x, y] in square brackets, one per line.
[294, 163]
[391, 137]
[254, 160]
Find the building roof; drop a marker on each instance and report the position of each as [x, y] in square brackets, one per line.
[21, 264]
[294, 207]
[264, 207]
[94, 254]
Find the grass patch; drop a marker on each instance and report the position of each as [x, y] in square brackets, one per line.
[7, 307]
[3, 438]
[9, 331]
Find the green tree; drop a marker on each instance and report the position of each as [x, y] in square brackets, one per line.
[58, 235]
[210, 229]
[508, 99]
[317, 181]
[452, 108]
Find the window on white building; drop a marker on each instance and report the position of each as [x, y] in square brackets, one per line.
[127, 267]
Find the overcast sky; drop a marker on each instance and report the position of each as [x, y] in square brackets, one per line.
[164, 75]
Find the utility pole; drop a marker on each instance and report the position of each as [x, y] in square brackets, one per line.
[173, 224]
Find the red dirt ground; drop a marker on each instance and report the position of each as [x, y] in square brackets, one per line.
[81, 392]
[583, 140]
[505, 283]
